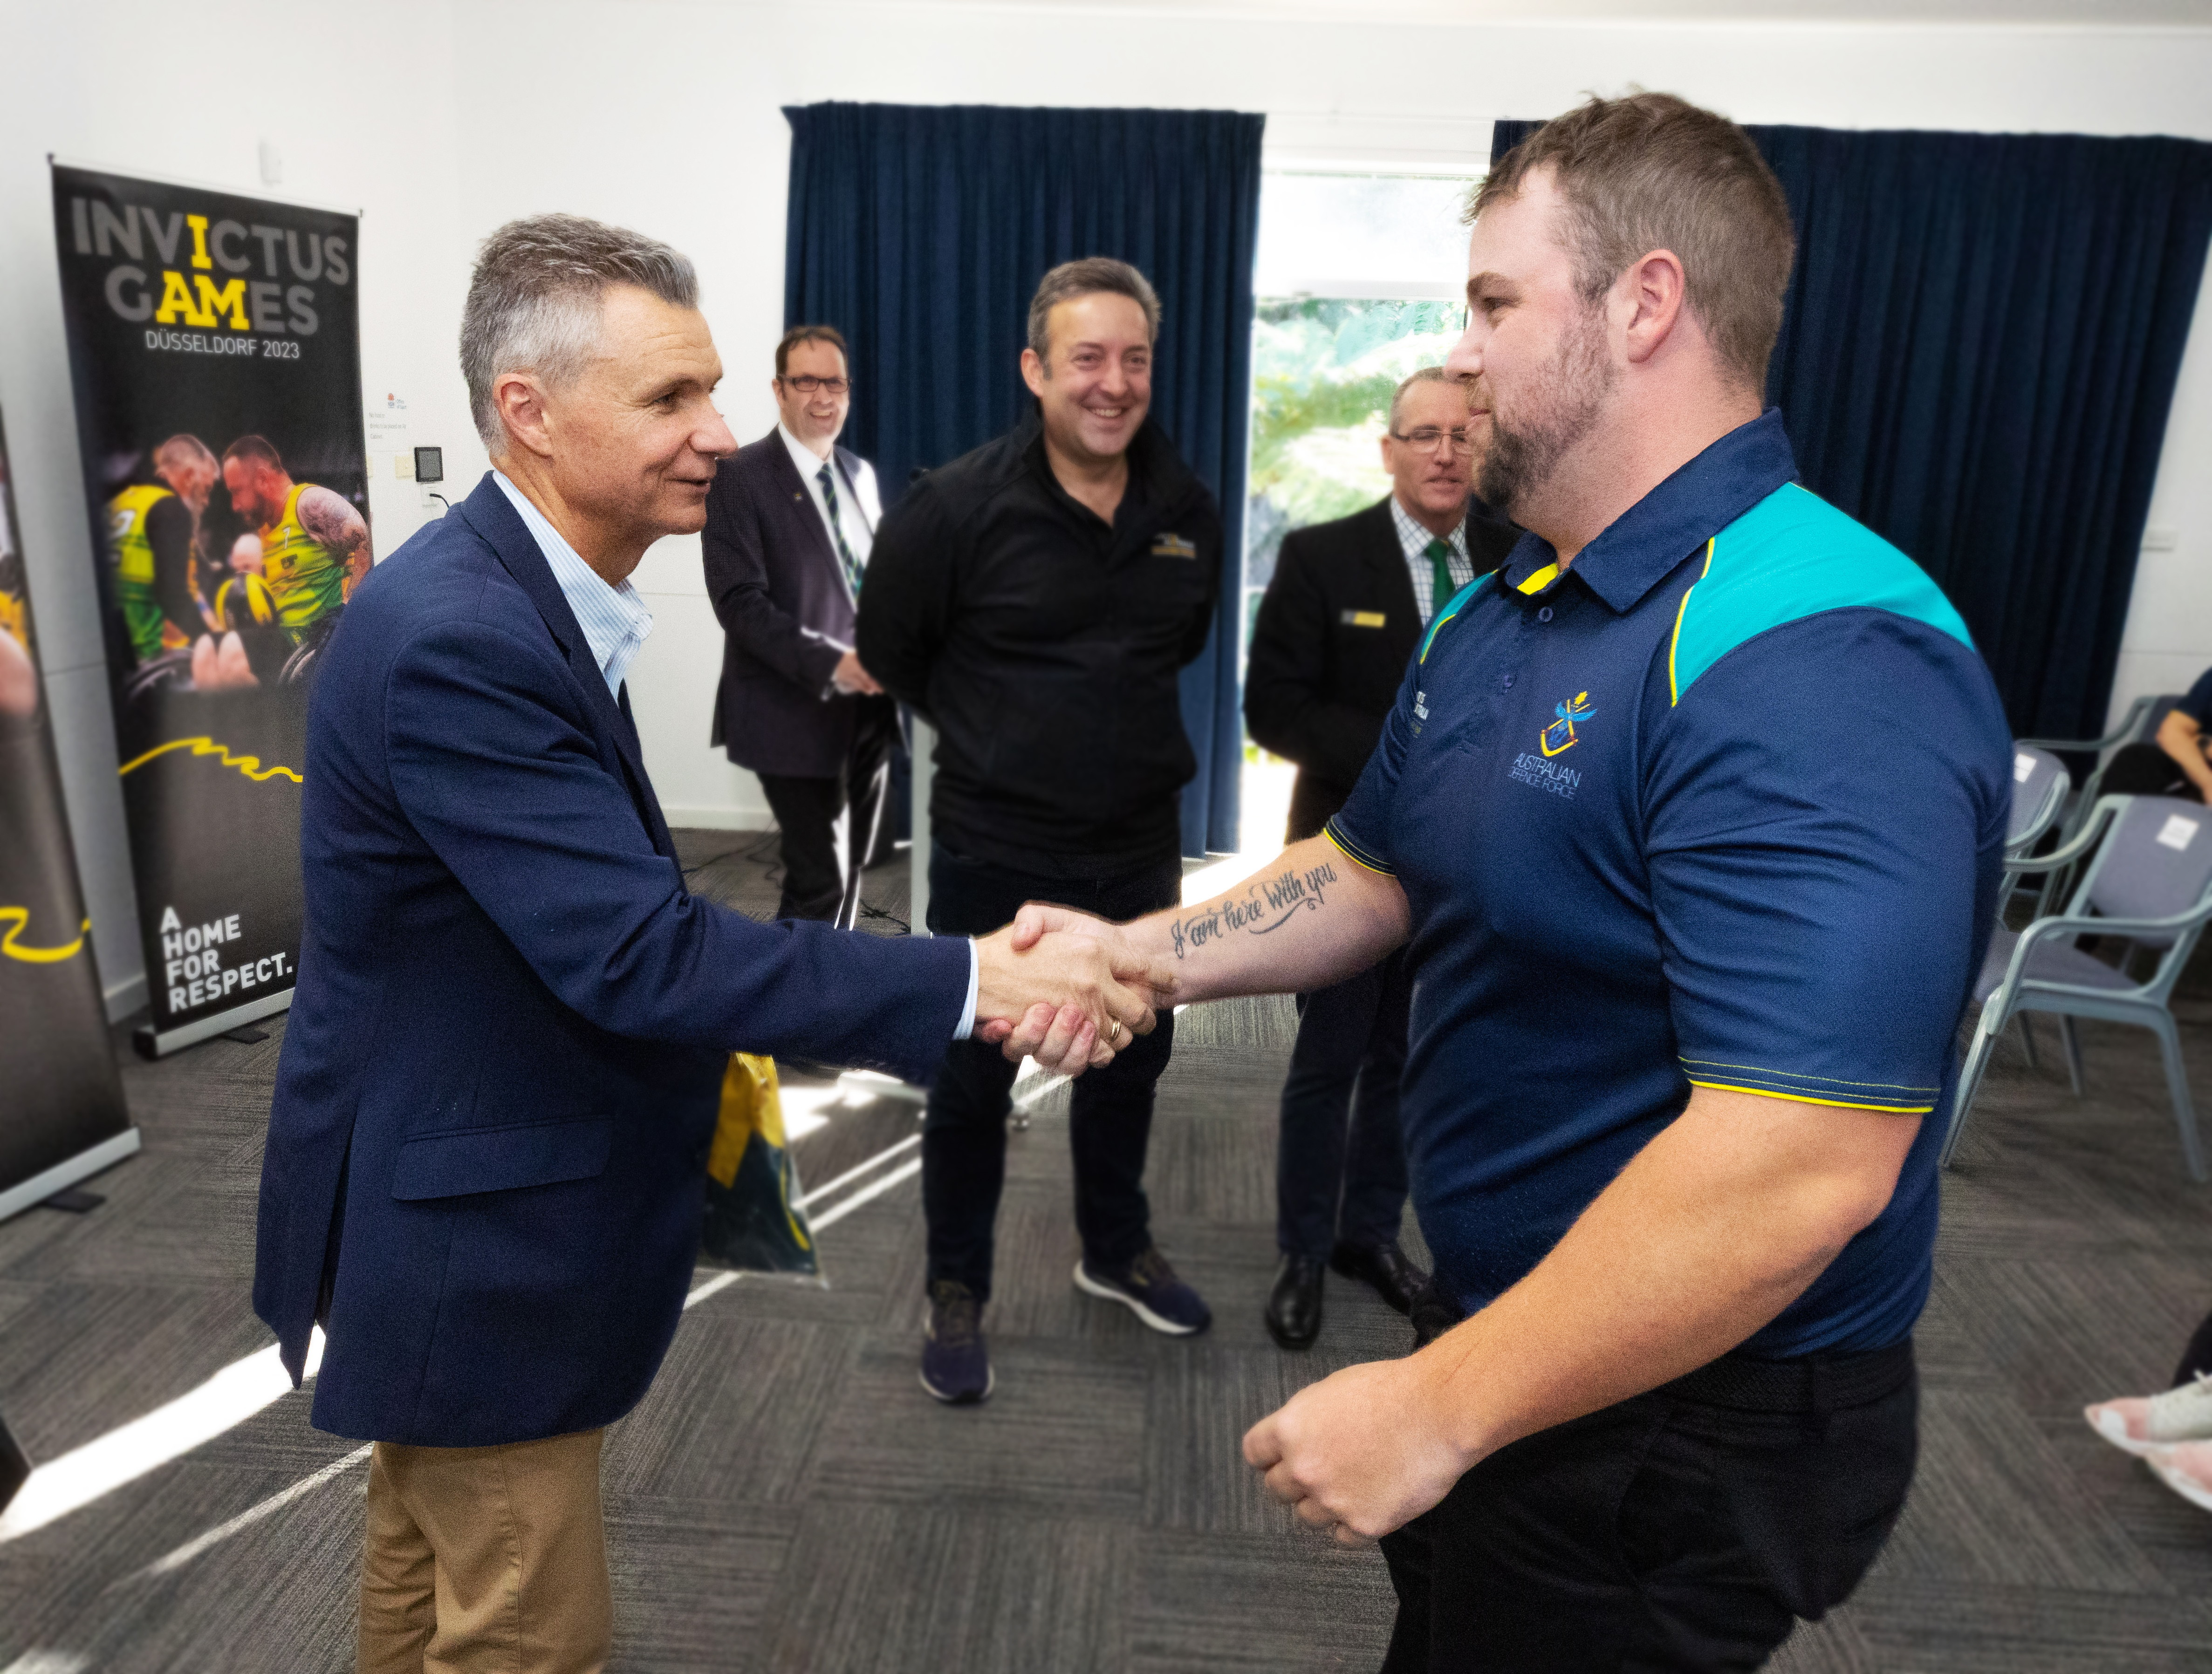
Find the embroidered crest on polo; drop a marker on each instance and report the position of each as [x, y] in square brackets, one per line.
[1559, 737]
[1173, 546]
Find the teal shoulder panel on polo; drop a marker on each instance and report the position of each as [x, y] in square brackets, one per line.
[1458, 603]
[1790, 556]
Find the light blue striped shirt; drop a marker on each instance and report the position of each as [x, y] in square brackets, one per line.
[614, 619]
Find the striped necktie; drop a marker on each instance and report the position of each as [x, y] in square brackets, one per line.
[827, 479]
[1441, 585]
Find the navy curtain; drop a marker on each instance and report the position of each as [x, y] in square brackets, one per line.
[921, 231]
[1976, 358]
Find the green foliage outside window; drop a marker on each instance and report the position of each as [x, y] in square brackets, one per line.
[1322, 375]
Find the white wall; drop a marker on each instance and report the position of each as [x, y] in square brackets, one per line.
[442, 118]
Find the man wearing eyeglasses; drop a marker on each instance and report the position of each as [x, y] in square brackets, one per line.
[790, 522]
[1336, 629]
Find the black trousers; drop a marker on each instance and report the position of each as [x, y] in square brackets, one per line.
[1687, 1529]
[963, 1137]
[807, 810]
[1340, 1158]
[2145, 770]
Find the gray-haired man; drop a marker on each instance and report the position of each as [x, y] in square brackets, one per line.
[500, 1079]
[1035, 600]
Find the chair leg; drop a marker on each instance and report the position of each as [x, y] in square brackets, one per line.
[2027, 1039]
[2072, 1041]
[1970, 1081]
[2176, 1084]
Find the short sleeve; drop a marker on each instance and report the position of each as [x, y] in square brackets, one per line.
[2197, 705]
[1825, 813]
[1362, 826]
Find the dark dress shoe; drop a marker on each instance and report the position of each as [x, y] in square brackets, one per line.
[1395, 1279]
[1294, 1304]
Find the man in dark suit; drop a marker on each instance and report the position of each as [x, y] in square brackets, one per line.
[485, 1162]
[1337, 627]
[790, 522]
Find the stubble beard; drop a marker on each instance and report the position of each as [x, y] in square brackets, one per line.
[1523, 455]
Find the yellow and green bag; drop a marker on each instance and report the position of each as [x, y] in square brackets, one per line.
[753, 1217]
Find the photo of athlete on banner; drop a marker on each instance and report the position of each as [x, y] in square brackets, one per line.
[215, 348]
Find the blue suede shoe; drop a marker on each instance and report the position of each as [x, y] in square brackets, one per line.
[956, 1366]
[1149, 1288]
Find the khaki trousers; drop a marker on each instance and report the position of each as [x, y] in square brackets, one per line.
[483, 1559]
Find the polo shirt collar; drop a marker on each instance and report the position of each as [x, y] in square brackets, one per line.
[1642, 546]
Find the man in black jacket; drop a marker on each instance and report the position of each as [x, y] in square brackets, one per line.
[789, 524]
[1035, 599]
[1339, 623]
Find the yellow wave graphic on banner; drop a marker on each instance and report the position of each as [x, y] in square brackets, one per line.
[18, 919]
[249, 765]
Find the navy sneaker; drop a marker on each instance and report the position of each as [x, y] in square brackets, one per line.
[955, 1368]
[1149, 1288]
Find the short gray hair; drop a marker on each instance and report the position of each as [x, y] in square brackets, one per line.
[534, 301]
[1087, 277]
[1425, 375]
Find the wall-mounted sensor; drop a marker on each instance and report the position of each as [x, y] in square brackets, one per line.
[429, 464]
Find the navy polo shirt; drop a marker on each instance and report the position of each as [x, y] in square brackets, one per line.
[1721, 805]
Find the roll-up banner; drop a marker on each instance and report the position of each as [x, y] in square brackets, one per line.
[214, 348]
[62, 1116]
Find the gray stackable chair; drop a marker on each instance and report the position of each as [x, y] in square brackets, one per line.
[2149, 885]
[2139, 726]
[2040, 788]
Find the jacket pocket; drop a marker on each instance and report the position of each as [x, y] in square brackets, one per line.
[454, 1165]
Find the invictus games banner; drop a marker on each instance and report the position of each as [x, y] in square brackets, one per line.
[214, 348]
[62, 1116]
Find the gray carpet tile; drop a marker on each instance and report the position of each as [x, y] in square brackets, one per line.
[1214, 1604]
[696, 1579]
[887, 1589]
[787, 1498]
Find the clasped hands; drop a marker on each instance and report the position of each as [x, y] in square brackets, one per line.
[1065, 989]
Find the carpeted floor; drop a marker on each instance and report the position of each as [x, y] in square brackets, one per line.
[787, 1498]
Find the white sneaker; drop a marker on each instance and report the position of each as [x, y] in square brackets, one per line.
[2186, 1468]
[2149, 1425]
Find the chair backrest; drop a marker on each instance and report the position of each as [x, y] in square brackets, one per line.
[2156, 861]
[2154, 716]
[2039, 786]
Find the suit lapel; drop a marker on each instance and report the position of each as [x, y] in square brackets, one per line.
[1386, 561]
[805, 521]
[491, 516]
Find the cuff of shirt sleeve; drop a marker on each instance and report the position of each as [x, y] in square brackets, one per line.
[1354, 851]
[967, 1025]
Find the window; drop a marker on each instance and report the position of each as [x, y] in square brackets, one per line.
[1360, 279]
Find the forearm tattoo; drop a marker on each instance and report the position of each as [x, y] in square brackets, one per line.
[1267, 905]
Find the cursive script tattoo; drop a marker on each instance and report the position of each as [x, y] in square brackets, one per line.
[1267, 905]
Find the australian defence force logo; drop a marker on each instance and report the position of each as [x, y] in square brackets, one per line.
[1541, 769]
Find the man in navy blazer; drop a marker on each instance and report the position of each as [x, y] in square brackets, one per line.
[499, 1082]
[791, 522]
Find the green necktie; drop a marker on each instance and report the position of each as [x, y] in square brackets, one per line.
[1442, 586]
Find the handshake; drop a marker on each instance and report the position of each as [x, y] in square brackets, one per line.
[1066, 989]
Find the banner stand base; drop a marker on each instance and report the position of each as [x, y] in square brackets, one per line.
[62, 1175]
[153, 1044]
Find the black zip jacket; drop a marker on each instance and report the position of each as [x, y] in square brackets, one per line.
[1044, 645]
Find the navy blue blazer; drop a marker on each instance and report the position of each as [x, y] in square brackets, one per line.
[499, 1081]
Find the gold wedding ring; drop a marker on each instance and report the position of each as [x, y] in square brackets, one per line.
[1115, 1038]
